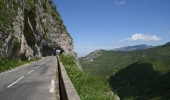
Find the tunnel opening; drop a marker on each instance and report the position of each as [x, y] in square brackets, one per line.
[47, 51]
[58, 50]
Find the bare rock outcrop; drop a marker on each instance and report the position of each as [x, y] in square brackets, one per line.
[92, 55]
[34, 29]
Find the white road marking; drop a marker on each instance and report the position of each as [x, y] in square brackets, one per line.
[37, 67]
[52, 87]
[30, 71]
[15, 82]
[42, 64]
[27, 64]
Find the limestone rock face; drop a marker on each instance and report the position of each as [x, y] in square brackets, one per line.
[77, 61]
[94, 54]
[34, 30]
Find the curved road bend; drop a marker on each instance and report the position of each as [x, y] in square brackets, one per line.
[33, 81]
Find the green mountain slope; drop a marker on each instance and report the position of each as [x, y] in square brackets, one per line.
[134, 75]
[143, 80]
[110, 62]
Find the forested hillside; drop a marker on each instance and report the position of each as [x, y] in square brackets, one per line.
[134, 75]
[143, 80]
[110, 62]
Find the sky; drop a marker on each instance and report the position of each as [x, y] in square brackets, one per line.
[108, 24]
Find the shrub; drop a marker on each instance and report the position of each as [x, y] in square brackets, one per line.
[33, 6]
[45, 36]
[16, 40]
[44, 6]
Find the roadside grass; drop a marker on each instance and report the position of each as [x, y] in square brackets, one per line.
[88, 87]
[6, 64]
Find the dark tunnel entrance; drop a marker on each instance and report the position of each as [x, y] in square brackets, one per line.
[48, 51]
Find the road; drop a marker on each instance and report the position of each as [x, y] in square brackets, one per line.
[33, 81]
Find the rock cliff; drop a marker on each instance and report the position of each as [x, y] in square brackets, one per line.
[32, 28]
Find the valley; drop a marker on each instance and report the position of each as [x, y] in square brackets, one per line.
[133, 75]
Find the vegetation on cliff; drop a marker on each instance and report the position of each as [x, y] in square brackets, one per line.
[88, 87]
[5, 15]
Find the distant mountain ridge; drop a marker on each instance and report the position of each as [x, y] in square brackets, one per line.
[168, 43]
[135, 47]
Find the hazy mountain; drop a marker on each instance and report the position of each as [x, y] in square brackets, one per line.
[135, 47]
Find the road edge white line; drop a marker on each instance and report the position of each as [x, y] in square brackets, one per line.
[52, 87]
[15, 82]
[13, 70]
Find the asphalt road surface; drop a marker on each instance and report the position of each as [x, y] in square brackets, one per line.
[33, 81]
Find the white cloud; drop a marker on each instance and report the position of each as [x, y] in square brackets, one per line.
[168, 32]
[120, 3]
[141, 37]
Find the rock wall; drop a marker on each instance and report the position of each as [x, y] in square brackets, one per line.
[34, 30]
[77, 61]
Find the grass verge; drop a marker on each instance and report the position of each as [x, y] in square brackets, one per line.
[88, 87]
[6, 64]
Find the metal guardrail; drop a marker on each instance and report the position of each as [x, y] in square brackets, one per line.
[67, 90]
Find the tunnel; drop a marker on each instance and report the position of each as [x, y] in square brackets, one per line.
[49, 51]
[58, 50]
